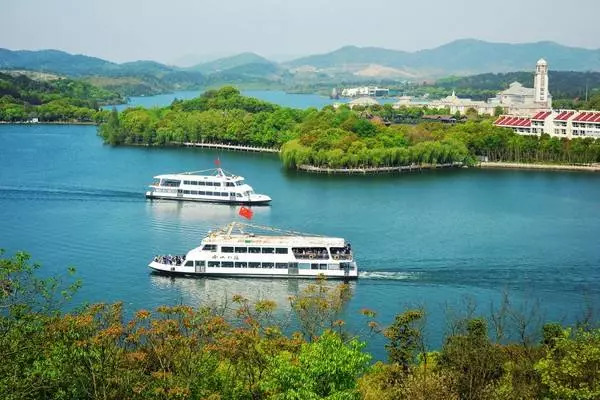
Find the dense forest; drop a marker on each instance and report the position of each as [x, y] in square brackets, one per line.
[243, 350]
[339, 137]
[23, 98]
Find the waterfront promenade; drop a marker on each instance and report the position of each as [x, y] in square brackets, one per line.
[377, 170]
[561, 167]
[231, 147]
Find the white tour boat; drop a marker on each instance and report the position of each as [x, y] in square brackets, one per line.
[235, 251]
[211, 185]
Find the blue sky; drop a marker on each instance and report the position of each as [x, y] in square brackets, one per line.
[185, 31]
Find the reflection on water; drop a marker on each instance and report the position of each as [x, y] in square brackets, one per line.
[189, 211]
[219, 291]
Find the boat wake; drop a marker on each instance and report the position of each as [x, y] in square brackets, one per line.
[66, 193]
[388, 275]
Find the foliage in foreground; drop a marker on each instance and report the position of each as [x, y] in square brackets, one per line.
[180, 352]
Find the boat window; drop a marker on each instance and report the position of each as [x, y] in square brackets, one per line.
[341, 253]
[186, 192]
[229, 184]
[189, 263]
[201, 183]
[268, 250]
[224, 194]
[232, 194]
[226, 249]
[319, 253]
[209, 193]
[194, 183]
[239, 195]
[254, 265]
[201, 192]
[214, 264]
[170, 183]
[241, 265]
[281, 265]
[210, 247]
[216, 183]
[199, 263]
[193, 191]
[267, 265]
[314, 266]
[281, 250]
[241, 249]
[227, 264]
[322, 266]
[254, 250]
[303, 266]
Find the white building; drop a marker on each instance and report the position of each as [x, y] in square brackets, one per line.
[517, 99]
[363, 102]
[520, 100]
[563, 123]
[372, 91]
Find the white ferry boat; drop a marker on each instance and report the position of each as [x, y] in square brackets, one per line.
[211, 185]
[234, 251]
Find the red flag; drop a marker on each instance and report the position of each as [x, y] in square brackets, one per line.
[246, 212]
[217, 162]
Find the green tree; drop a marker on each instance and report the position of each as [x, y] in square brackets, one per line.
[571, 366]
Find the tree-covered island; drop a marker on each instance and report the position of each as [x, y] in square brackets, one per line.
[338, 138]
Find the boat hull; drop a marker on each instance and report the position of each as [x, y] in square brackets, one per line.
[153, 196]
[279, 274]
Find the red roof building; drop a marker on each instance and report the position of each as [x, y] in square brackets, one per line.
[562, 123]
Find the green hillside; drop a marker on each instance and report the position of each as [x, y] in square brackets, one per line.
[22, 98]
[227, 63]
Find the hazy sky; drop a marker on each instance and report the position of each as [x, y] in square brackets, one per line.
[168, 30]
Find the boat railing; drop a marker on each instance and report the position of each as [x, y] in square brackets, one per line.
[170, 259]
[311, 256]
[342, 256]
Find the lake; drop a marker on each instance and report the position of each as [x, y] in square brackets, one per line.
[433, 239]
[295, 100]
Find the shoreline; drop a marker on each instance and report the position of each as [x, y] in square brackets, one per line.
[233, 147]
[547, 167]
[47, 123]
[376, 170]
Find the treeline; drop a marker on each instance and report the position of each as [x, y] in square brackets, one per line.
[356, 142]
[23, 98]
[241, 351]
[215, 116]
[338, 138]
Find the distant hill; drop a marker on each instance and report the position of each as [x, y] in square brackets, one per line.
[54, 61]
[346, 66]
[461, 57]
[227, 63]
[131, 78]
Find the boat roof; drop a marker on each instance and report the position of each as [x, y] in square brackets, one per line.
[199, 175]
[238, 233]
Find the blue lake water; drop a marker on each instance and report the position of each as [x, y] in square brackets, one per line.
[432, 239]
[274, 96]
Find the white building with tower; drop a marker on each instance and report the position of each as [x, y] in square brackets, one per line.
[521, 100]
[516, 100]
